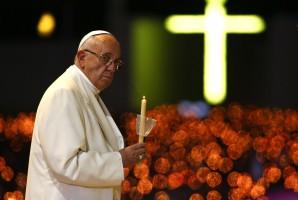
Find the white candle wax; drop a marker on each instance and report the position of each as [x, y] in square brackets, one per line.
[142, 120]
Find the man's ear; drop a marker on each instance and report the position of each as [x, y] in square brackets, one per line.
[81, 56]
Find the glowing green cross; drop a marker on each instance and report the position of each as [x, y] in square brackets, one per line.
[215, 24]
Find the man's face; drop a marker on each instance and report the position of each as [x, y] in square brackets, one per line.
[99, 59]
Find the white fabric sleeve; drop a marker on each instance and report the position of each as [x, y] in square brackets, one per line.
[62, 136]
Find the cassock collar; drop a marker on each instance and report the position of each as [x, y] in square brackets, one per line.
[86, 80]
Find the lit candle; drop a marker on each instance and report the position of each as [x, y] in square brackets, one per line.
[142, 120]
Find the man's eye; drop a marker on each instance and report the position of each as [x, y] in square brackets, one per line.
[106, 58]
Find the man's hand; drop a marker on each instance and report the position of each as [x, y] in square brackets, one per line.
[131, 154]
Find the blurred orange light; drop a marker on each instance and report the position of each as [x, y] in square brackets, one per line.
[46, 24]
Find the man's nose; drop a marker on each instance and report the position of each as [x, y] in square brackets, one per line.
[112, 66]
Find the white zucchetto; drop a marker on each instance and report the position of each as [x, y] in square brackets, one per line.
[90, 34]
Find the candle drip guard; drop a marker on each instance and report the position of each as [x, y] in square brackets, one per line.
[149, 124]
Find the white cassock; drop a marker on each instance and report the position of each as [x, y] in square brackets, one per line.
[74, 149]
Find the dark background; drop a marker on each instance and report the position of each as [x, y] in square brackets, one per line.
[262, 68]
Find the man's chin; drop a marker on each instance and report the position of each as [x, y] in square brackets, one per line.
[106, 83]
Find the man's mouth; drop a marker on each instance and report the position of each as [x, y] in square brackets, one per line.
[108, 75]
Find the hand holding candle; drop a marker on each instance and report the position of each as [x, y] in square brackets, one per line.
[142, 120]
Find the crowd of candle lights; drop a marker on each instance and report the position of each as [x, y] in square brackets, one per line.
[205, 156]
[15, 133]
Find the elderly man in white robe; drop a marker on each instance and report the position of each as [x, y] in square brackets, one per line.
[77, 151]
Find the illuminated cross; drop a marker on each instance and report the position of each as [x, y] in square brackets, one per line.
[215, 24]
